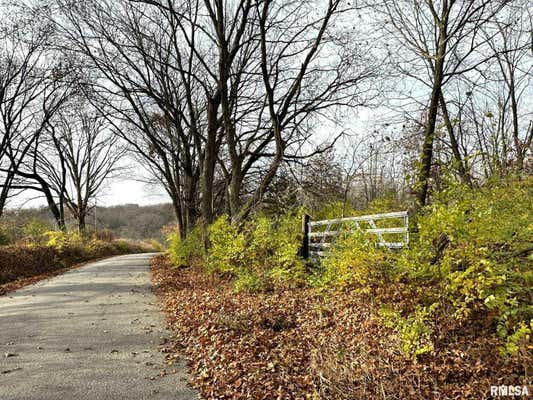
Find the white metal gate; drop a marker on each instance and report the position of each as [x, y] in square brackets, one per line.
[320, 235]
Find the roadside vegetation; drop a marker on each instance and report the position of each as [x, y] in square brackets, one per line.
[445, 318]
[40, 253]
[130, 221]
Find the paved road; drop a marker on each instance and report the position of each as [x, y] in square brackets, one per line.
[92, 333]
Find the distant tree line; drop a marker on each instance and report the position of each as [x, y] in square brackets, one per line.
[129, 221]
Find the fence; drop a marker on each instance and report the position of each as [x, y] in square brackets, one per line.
[319, 236]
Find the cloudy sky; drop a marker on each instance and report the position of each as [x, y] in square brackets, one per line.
[125, 190]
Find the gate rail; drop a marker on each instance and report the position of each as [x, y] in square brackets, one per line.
[318, 236]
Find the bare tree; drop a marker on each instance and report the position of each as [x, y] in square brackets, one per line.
[214, 89]
[488, 108]
[512, 51]
[31, 92]
[446, 36]
[153, 91]
[79, 155]
[23, 85]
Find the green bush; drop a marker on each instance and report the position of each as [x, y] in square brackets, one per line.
[472, 251]
[355, 261]
[334, 209]
[471, 254]
[35, 230]
[474, 247]
[61, 239]
[386, 203]
[188, 251]
[414, 330]
[95, 248]
[262, 254]
[227, 246]
[5, 237]
[273, 247]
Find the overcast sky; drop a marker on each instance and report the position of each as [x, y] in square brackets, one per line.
[125, 191]
[119, 191]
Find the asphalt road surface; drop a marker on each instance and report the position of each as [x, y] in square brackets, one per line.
[91, 333]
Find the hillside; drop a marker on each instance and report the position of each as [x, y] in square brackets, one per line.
[129, 221]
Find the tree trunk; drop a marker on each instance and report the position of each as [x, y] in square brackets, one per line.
[82, 228]
[190, 200]
[56, 212]
[234, 192]
[516, 138]
[463, 174]
[208, 165]
[178, 212]
[5, 191]
[426, 157]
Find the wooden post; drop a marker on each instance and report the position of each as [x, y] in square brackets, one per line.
[305, 233]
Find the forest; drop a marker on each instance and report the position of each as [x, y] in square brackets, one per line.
[252, 115]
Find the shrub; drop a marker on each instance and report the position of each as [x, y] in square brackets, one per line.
[228, 245]
[472, 253]
[264, 253]
[388, 202]
[61, 239]
[272, 250]
[414, 329]
[62, 249]
[474, 248]
[98, 248]
[5, 237]
[154, 245]
[334, 209]
[518, 343]
[22, 261]
[121, 246]
[188, 251]
[249, 280]
[127, 246]
[355, 261]
[105, 235]
[34, 230]
[471, 257]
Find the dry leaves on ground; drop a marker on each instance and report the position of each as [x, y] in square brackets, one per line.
[298, 344]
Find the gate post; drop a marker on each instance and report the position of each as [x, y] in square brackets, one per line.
[305, 236]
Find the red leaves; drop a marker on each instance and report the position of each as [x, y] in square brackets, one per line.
[297, 344]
